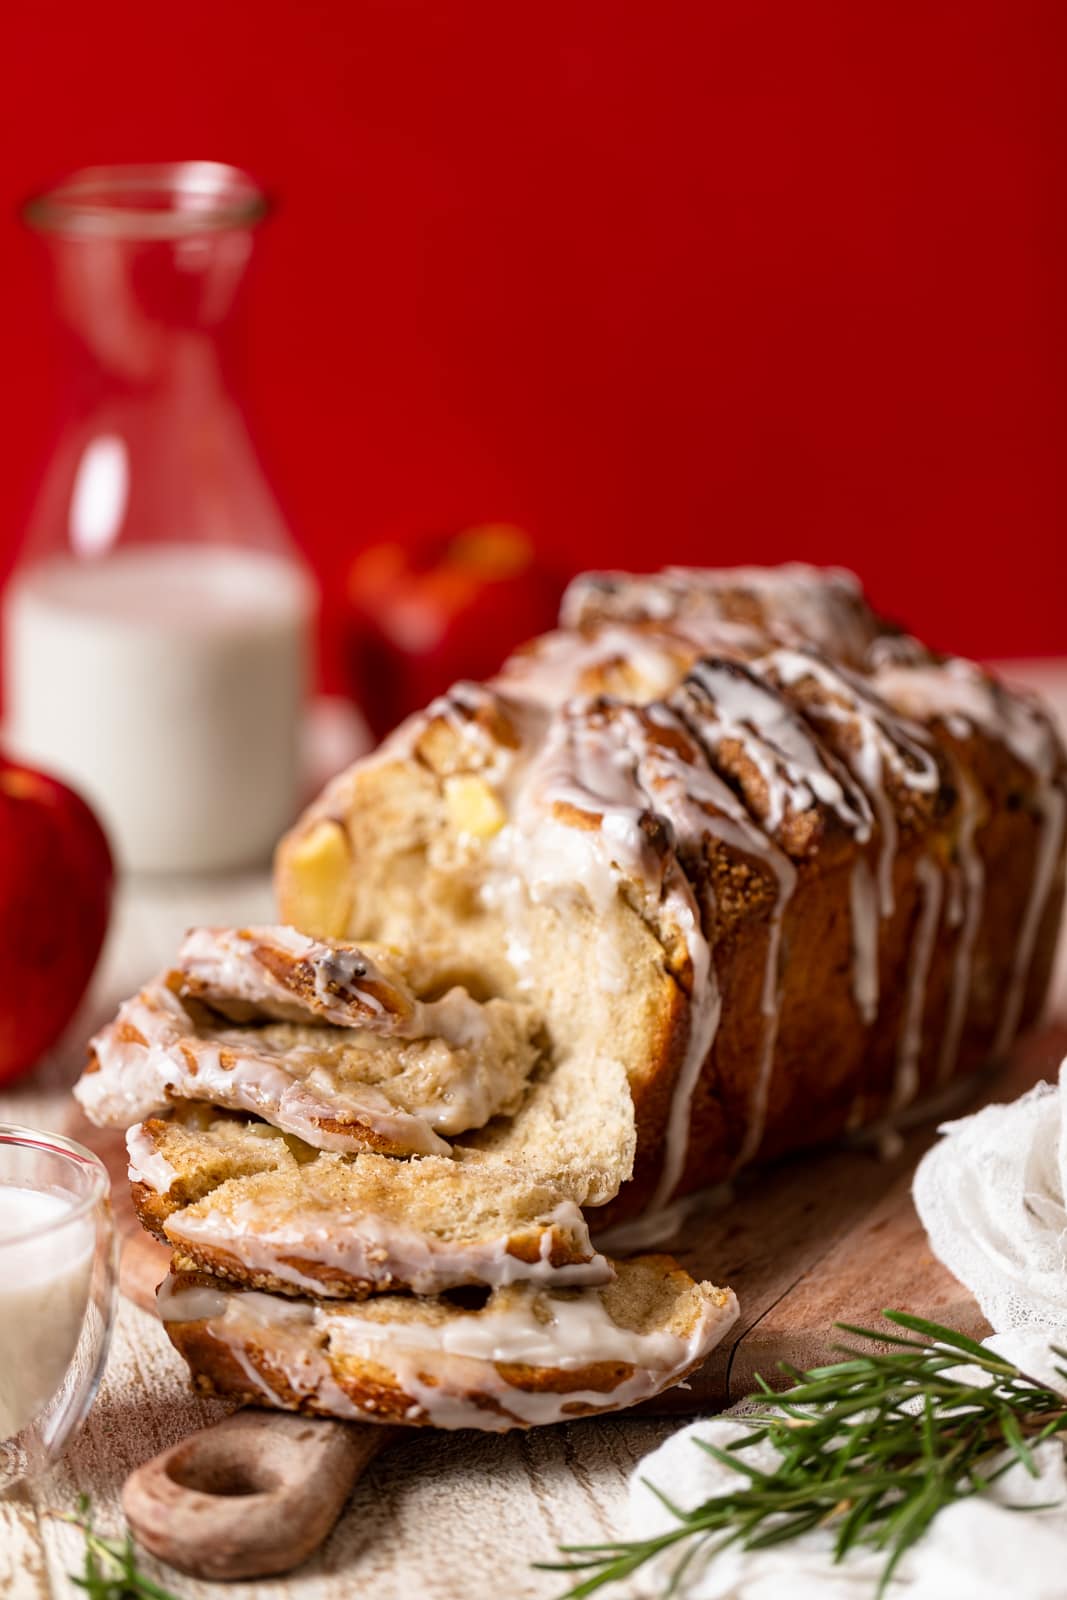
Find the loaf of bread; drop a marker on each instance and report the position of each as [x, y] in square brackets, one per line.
[723, 867]
[735, 835]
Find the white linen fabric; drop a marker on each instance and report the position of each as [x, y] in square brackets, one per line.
[990, 1194]
[982, 1548]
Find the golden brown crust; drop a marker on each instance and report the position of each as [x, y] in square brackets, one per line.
[227, 1266]
[296, 1369]
[236, 1193]
[556, 1249]
[831, 1066]
[153, 1208]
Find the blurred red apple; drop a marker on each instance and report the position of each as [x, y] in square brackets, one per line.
[451, 608]
[55, 901]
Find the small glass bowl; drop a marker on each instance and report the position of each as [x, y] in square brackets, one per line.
[57, 1294]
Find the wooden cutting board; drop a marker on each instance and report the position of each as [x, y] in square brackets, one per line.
[831, 1235]
[819, 1238]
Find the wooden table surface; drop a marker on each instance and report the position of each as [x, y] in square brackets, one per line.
[446, 1516]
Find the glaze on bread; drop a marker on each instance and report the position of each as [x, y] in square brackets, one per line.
[259, 1208]
[792, 869]
[721, 868]
[528, 1356]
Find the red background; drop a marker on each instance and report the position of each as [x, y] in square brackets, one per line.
[690, 280]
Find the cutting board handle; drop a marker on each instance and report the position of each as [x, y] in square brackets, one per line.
[250, 1497]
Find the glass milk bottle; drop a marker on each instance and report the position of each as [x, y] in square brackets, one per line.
[157, 627]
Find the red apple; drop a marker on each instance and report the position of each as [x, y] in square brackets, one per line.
[55, 899]
[451, 608]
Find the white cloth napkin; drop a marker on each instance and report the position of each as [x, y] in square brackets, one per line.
[977, 1549]
[991, 1195]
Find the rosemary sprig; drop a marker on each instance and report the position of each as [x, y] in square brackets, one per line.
[873, 1446]
[110, 1571]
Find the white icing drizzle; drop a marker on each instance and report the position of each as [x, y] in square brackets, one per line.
[147, 1164]
[135, 1080]
[863, 904]
[653, 1229]
[544, 856]
[702, 804]
[592, 761]
[379, 1250]
[965, 912]
[349, 987]
[705, 1011]
[909, 1043]
[154, 1050]
[606, 778]
[551, 670]
[191, 1303]
[530, 1330]
[674, 788]
[450, 1368]
[581, 766]
[887, 743]
[963, 697]
[794, 771]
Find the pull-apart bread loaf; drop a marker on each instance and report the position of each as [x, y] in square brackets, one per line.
[723, 867]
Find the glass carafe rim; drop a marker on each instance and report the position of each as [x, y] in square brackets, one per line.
[76, 1155]
[101, 202]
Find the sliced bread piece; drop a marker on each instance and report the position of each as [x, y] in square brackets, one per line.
[528, 1356]
[260, 1208]
[337, 1088]
[249, 974]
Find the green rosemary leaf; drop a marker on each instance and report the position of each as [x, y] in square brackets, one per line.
[928, 1435]
[682, 1566]
[675, 1511]
[1012, 1432]
[789, 1528]
[939, 1335]
[760, 1431]
[874, 1447]
[732, 1462]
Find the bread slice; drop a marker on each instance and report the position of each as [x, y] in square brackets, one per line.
[257, 1207]
[722, 867]
[248, 974]
[422, 1071]
[527, 1356]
